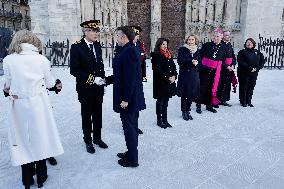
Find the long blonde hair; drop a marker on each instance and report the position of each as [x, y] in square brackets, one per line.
[192, 35]
[24, 36]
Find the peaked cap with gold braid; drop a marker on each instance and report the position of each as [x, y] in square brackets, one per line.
[91, 24]
[137, 29]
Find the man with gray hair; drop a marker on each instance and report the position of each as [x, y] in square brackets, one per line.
[87, 66]
[227, 76]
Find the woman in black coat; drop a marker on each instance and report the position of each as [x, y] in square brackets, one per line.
[164, 76]
[250, 62]
[188, 85]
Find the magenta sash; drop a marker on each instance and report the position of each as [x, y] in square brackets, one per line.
[228, 61]
[216, 65]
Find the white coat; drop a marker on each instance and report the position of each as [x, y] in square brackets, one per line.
[32, 132]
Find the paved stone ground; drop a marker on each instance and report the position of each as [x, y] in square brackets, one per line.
[237, 148]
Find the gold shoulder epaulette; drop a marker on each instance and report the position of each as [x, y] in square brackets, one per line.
[76, 42]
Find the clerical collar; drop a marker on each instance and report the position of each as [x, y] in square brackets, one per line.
[88, 42]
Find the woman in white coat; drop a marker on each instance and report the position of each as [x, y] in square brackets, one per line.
[33, 134]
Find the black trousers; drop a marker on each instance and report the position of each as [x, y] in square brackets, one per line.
[130, 128]
[30, 169]
[143, 67]
[246, 86]
[91, 112]
[186, 104]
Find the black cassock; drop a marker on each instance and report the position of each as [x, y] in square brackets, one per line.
[226, 76]
[212, 57]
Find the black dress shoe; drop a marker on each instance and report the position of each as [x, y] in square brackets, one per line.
[101, 144]
[243, 105]
[210, 109]
[216, 106]
[126, 163]
[167, 124]
[185, 116]
[90, 148]
[40, 184]
[225, 104]
[122, 155]
[189, 116]
[161, 124]
[140, 132]
[52, 161]
[250, 105]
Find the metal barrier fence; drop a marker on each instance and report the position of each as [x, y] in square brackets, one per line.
[59, 53]
[273, 51]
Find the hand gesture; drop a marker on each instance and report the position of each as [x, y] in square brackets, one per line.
[123, 104]
[172, 79]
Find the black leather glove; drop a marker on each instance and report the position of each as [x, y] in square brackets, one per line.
[54, 87]
[6, 94]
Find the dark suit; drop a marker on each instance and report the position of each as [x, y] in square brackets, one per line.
[142, 51]
[127, 86]
[248, 59]
[83, 62]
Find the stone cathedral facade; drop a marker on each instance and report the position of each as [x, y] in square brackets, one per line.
[58, 20]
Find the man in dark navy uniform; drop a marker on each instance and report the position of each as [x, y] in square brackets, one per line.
[128, 96]
[142, 51]
[87, 66]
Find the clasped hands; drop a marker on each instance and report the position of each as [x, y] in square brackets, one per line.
[195, 62]
[172, 79]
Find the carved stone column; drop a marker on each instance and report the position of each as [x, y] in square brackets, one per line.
[202, 11]
[155, 22]
[188, 18]
[87, 11]
[219, 6]
[231, 12]
[210, 12]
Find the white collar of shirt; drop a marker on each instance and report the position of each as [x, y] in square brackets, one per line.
[88, 42]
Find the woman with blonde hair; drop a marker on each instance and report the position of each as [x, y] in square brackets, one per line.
[32, 132]
[188, 85]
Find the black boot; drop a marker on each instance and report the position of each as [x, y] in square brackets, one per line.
[185, 116]
[160, 123]
[198, 108]
[165, 118]
[159, 115]
[189, 116]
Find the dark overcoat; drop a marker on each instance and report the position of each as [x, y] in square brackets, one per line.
[188, 84]
[127, 80]
[163, 68]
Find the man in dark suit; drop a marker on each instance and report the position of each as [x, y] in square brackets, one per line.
[87, 66]
[128, 96]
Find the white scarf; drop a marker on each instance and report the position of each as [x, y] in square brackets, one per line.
[192, 49]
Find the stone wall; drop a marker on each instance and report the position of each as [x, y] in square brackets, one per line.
[173, 23]
[263, 17]
[139, 13]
